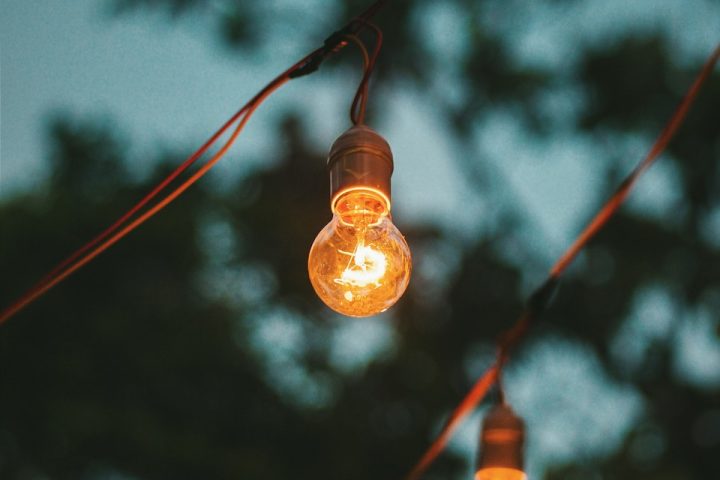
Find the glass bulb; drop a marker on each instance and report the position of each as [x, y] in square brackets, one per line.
[360, 264]
[500, 473]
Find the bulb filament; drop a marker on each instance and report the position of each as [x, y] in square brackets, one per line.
[366, 266]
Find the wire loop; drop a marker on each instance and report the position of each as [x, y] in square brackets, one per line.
[120, 228]
[357, 109]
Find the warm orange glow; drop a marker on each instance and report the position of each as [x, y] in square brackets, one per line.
[365, 267]
[359, 264]
[500, 473]
[353, 193]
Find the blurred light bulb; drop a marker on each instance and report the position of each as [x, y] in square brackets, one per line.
[501, 446]
[360, 264]
[500, 473]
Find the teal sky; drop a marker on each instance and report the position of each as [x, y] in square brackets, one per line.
[171, 84]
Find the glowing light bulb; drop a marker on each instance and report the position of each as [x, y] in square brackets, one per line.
[501, 446]
[360, 264]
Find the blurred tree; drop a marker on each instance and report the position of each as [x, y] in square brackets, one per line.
[172, 356]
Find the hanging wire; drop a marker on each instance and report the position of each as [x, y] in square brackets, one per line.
[366, 64]
[357, 110]
[120, 228]
[101, 243]
[540, 299]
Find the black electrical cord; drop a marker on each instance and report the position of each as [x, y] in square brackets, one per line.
[357, 110]
[542, 296]
[361, 89]
[134, 217]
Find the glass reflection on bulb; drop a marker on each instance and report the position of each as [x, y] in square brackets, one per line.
[360, 264]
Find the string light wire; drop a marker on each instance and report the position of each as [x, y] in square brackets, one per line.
[540, 299]
[361, 88]
[120, 228]
[102, 242]
[357, 110]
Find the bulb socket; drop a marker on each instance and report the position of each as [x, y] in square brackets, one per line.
[360, 159]
[502, 439]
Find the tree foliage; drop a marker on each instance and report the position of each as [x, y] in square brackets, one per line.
[155, 361]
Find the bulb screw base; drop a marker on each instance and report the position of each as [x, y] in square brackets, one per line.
[502, 439]
[360, 159]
